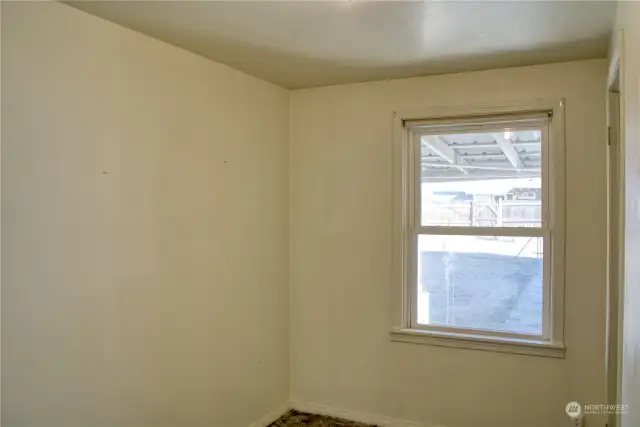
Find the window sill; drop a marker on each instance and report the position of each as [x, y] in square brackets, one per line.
[478, 342]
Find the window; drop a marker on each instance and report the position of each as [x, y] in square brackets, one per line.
[480, 228]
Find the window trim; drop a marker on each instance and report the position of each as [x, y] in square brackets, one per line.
[405, 166]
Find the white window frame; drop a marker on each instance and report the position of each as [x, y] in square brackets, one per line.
[408, 127]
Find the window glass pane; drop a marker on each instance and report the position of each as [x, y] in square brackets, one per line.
[490, 179]
[478, 282]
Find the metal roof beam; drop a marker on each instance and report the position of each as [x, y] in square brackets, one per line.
[509, 150]
[442, 149]
[492, 145]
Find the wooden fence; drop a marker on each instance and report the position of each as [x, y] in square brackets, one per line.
[509, 213]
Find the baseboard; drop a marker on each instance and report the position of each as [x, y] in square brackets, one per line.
[362, 417]
[271, 416]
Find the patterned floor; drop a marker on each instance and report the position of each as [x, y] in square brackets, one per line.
[300, 419]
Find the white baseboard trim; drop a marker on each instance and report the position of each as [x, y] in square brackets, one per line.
[271, 416]
[362, 417]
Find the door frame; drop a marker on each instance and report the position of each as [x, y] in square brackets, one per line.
[615, 226]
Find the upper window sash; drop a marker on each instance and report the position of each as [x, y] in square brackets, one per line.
[418, 129]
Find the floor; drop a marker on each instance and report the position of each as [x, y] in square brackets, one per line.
[295, 419]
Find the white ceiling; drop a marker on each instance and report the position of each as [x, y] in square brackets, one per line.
[299, 44]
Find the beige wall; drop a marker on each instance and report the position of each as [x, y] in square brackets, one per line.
[628, 20]
[341, 229]
[144, 196]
